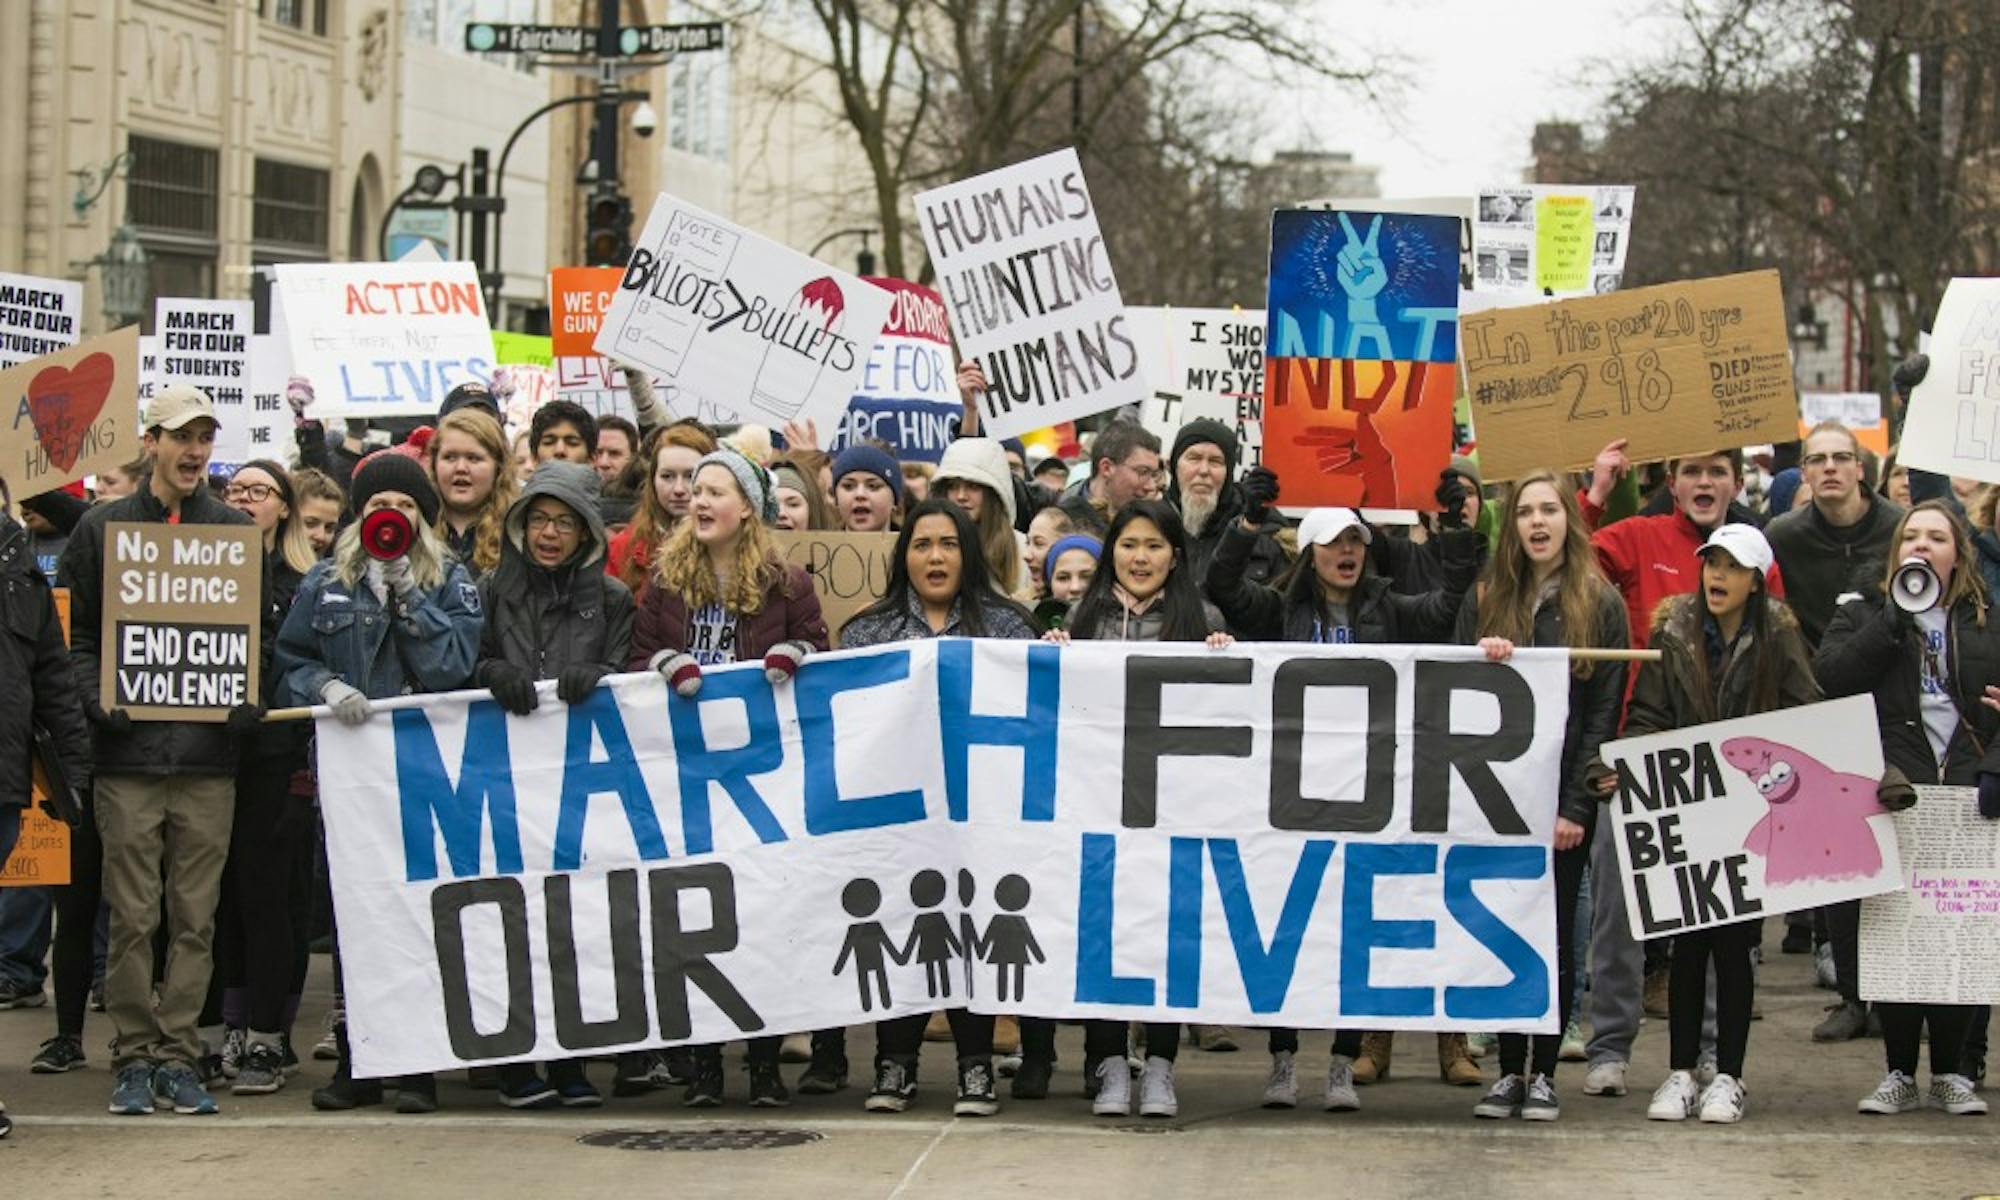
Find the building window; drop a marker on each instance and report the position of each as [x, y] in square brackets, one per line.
[171, 200]
[303, 15]
[698, 105]
[289, 208]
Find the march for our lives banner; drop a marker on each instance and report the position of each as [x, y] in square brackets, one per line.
[1269, 835]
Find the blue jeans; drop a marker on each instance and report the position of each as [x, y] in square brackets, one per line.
[24, 918]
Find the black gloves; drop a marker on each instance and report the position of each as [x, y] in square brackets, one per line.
[576, 683]
[245, 719]
[1451, 494]
[1989, 795]
[116, 722]
[1260, 492]
[513, 687]
[1910, 372]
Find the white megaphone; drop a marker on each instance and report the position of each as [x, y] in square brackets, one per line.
[1915, 586]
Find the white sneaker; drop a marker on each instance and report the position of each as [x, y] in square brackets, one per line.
[1281, 1090]
[1953, 1093]
[1706, 1072]
[1722, 1101]
[1114, 1088]
[1897, 1093]
[1676, 1098]
[796, 1048]
[1156, 1089]
[1605, 1078]
[1340, 1094]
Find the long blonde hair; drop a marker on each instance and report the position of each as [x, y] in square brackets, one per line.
[1510, 594]
[652, 522]
[427, 555]
[490, 528]
[682, 566]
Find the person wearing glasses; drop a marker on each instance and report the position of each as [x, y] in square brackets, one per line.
[1836, 545]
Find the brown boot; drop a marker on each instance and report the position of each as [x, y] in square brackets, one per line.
[1656, 994]
[1006, 1035]
[1373, 1065]
[938, 1028]
[1455, 1065]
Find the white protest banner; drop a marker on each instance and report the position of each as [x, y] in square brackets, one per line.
[1027, 276]
[1552, 239]
[1753, 817]
[1938, 940]
[206, 344]
[744, 328]
[1953, 423]
[1203, 362]
[908, 398]
[1278, 835]
[38, 316]
[383, 339]
[262, 426]
[149, 365]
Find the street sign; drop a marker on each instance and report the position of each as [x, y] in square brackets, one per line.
[669, 39]
[633, 40]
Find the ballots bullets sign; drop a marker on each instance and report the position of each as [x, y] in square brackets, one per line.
[183, 609]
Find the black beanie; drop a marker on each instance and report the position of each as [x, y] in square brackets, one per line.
[388, 471]
[1195, 432]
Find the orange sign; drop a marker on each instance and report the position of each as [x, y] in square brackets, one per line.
[578, 298]
[41, 856]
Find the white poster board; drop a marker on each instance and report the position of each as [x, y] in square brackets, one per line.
[1938, 940]
[38, 316]
[206, 344]
[1953, 425]
[1750, 818]
[262, 426]
[1203, 362]
[1027, 275]
[1551, 239]
[383, 339]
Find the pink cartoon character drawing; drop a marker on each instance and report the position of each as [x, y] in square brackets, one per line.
[1817, 826]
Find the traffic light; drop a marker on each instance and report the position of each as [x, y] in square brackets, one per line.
[607, 238]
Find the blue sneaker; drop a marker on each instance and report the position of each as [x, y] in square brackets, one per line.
[133, 1097]
[175, 1084]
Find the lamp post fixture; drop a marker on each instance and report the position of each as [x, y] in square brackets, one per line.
[864, 262]
[126, 277]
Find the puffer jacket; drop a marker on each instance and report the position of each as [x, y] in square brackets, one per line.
[35, 664]
[1377, 613]
[1120, 625]
[544, 620]
[153, 747]
[1594, 700]
[1871, 646]
[338, 630]
[1666, 694]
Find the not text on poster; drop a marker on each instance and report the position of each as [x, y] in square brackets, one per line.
[183, 619]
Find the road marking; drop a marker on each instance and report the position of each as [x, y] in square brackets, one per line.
[918, 1165]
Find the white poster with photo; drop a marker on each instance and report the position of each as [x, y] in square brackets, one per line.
[383, 339]
[1203, 362]
[1953, 423]
[1552, 239]
[742, 328]
[38, 316]
[1027, 275]
[1743, 819]
[1937, 941]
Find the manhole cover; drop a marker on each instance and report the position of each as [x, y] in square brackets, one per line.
[698, 1139]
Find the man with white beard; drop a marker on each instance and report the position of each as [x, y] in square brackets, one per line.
[1202, 473]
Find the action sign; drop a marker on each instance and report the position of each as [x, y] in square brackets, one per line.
[1953, 425]
[70, 414]
[908, 398]
[849, 571]
[1204, 362]
[1937, 941]
[740, 325]
[1749, 818]
[183, 612]
[1282, 835]
[1027, 275]
[37, 316]
[384, 339]
[1683, 368]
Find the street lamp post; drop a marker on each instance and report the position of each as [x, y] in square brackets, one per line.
[125, 276]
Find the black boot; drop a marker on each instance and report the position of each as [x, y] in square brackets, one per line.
[417, 1094]
[346, 1091]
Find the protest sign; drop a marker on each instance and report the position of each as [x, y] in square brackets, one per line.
[1937, 941]
[1683, 368]
[1552, 239]
[70, 414]
[849, 571]
[578, 299]
[1749, 818]
[149, 367]
[262, 428]
[1203, 362]
[744, 328]
[908, 396]
[206, 344]
[384, 339]
[1027, 275]
[1283, 835]
[522, 349]
[1861, 412]
[38, 316]
[1361, 354]
[1953, 423]
[41, 855]
[183, 615]
[598, 384]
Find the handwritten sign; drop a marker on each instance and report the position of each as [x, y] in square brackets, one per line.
[384, 339]
[1953, 425]
[1683, 368]
[908, 398]
[849, 571]
[1938, 941]
[1203, 362]
[70, 414]
[183, 612]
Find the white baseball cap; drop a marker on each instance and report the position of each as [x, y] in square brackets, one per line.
[1322, 526]
[1745, 544]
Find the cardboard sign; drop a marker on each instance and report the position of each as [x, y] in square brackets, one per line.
[183, 614]
[41, 856]
[384, 339]
[1937, 940]
[1361, 353]
[1203, 362]
[578, 299]
[908, 398]
[1683, 368]
[1861, 412]
[70, 414]
[38, 316]
[1552, 239]
[744, 328]
[1738, 820]
[849, 571]
[1953, 423]
[1027, 274]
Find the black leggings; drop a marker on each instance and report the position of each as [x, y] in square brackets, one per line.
[903, 1037]
[266, 895]
[757, 1051]
[73, 960]
[1106, 1039]
[1731, 947]
[1903, 1028]
[1514, 1054]
[1346, 1042]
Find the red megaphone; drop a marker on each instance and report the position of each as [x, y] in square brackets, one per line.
[386, 534]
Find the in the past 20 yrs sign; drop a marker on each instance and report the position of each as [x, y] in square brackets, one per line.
[182, 615]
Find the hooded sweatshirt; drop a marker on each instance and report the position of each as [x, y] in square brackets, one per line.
[543, 619]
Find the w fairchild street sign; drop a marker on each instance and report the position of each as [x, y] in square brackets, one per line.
[631, 41]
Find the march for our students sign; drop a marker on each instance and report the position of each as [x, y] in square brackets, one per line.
[1275, 835]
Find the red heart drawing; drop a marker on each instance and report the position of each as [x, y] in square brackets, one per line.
[63, 401]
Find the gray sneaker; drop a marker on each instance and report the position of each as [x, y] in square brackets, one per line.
[175, 1084]
[261, 1072]
[234, 1044]
[1844, 1022]
[1503, 1100]
[1156, 1089]
[1340, 1093]
[1281, 1089]
[20, 995]
[1897, 1093]
[1541, 1102]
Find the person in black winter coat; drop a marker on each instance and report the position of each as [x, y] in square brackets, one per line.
[1201, 474]
[1931, 674]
